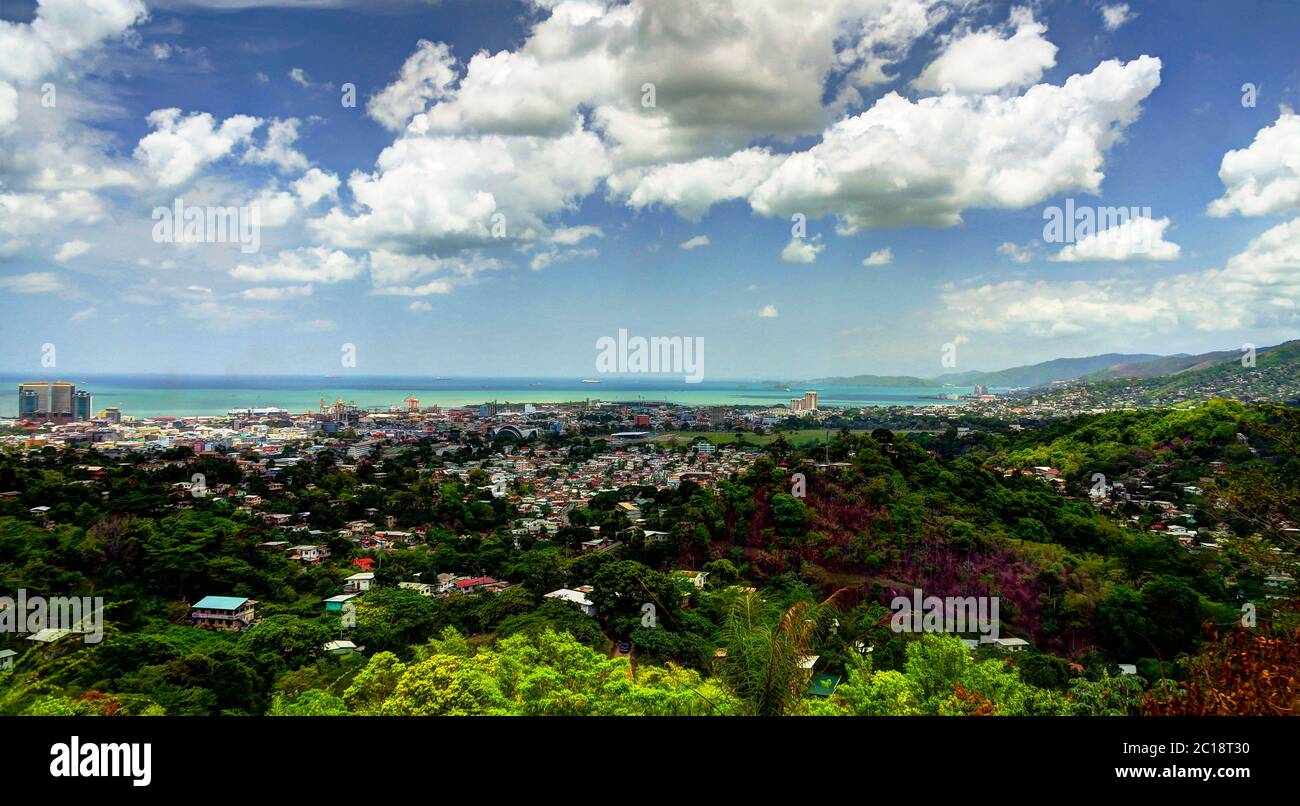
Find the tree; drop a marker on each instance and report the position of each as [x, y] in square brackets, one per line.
[764, 664]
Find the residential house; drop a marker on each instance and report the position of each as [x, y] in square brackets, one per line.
[223, 612]
[358, 583]
[574, 597]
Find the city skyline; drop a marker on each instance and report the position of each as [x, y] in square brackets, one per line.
[643, 185]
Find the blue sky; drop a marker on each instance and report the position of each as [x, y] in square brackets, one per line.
[929, 134]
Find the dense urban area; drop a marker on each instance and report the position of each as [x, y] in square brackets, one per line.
[649, 558]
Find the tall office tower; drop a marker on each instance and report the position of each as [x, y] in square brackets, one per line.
[82, 406]
[29, 401]
[51, 400]
[113, 414]
[796, 404]
[810, 401]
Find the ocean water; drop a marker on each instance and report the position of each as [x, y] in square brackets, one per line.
[178, 395]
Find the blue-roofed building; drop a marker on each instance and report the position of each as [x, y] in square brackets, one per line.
[223, 612]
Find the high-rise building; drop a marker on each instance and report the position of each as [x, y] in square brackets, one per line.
[82, 406]
[810, 401]
[48, 400]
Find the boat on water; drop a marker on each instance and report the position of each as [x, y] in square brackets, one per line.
[589, 380]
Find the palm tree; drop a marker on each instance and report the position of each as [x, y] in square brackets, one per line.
[764, 665]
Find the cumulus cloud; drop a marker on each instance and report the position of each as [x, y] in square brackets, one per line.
[315, 185]
[802, 250]
[278, 149]
[1138, 238]
[434, 193]
[1257, 288]
[691, 188]
[880, 257]
[881, 40]
[425, 76]
[1018, 253]
[60, 30]
[1264, 177]
[305, 265]
[181, 146]
[769, 312]
[664, 79]
[908, 163]
[1113, 15]
[992, 59]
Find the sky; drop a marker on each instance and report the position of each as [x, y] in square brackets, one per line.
[490, 187]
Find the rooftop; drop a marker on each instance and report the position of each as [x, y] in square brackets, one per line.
[220, 602]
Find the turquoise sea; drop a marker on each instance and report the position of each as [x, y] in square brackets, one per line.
[177, 395]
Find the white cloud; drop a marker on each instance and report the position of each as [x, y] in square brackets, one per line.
[696, 242]
[1018, 253]
[273, 293]
[278, 150]
[769, 312]
[8, 106]
[568, 236]
[22, 212]
[1257, 288]
[691, 188]
[802, 250]
[1135, 239]
[420, 305]
[83, 314]
[37, 282]
[1263, 178]
[1116, 14]
[425, 76]
[988, 61]
[551, 256]
[60, 30]
[905, 163]
[315, 185]
[431, 194]
[398, 274]
[882, 40]
[880, 257]
[305, 265]
[71, 249]
[723, 73]
[182, 146]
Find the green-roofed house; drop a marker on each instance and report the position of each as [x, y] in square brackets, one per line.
[223, 612]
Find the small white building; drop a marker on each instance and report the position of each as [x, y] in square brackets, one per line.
[574, 597]
[359, 583]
